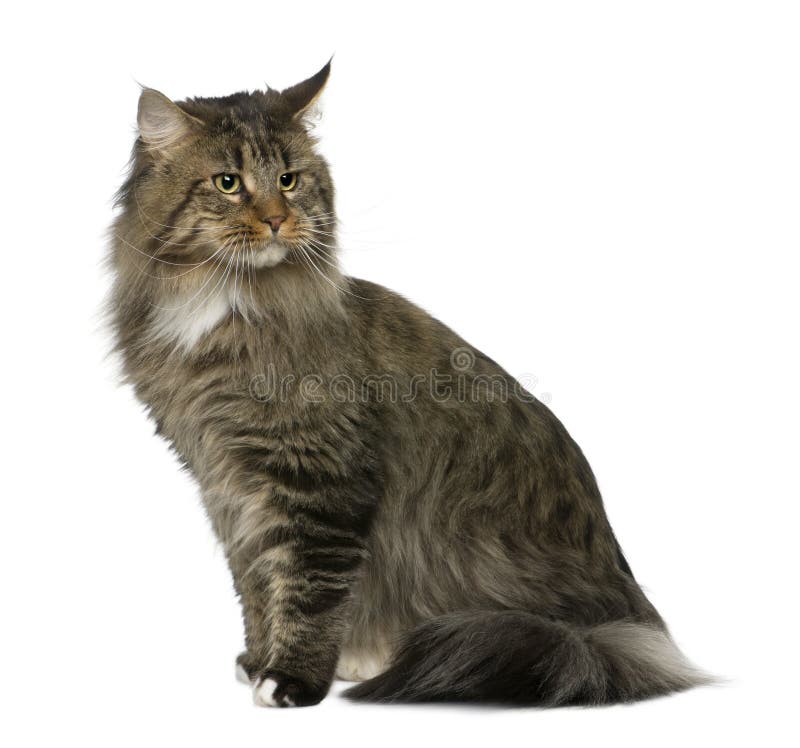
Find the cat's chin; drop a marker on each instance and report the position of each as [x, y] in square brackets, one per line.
[269, 256]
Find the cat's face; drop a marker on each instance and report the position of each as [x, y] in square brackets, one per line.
[234, 176]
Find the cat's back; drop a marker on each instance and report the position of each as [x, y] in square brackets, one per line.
[471, 429]
[390, 322]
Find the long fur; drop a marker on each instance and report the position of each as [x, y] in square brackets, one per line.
[520, 658]
[356, 501]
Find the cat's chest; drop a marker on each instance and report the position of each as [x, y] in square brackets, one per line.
[233, 378]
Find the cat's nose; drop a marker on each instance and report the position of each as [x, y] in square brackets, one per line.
[274, 222]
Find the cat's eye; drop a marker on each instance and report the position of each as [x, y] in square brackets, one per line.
[228, 183]
[287, 181]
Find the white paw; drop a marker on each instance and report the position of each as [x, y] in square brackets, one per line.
[264, 694]
[242, 676]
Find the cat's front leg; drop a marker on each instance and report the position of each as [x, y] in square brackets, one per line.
[295, 601]
[297, 554]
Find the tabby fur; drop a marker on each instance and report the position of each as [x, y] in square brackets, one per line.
[391, 502]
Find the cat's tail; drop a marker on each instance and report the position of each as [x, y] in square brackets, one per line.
[517, 657]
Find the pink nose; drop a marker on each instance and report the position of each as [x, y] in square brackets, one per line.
[274, 221]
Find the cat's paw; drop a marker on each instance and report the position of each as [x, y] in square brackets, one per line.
[273, 688]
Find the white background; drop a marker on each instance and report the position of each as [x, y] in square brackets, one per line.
[602, 195]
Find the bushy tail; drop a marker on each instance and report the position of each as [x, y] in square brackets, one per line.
[517, 657]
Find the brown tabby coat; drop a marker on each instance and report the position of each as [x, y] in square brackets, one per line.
[388, 498]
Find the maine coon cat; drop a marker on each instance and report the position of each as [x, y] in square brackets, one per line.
[395, 509]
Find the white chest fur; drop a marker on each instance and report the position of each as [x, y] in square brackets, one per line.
[184, 320]
[187, 319]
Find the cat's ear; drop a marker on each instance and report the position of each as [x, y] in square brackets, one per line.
[301, 96]
[162, 123]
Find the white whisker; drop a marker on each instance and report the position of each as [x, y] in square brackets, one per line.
[151, 257]
[311, 264]
[197, 293]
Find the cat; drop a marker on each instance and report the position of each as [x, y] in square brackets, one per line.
[395, 508]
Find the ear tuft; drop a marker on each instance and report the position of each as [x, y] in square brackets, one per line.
[301, 96]
[162, 123]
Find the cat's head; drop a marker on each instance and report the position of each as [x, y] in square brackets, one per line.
[215, 178]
